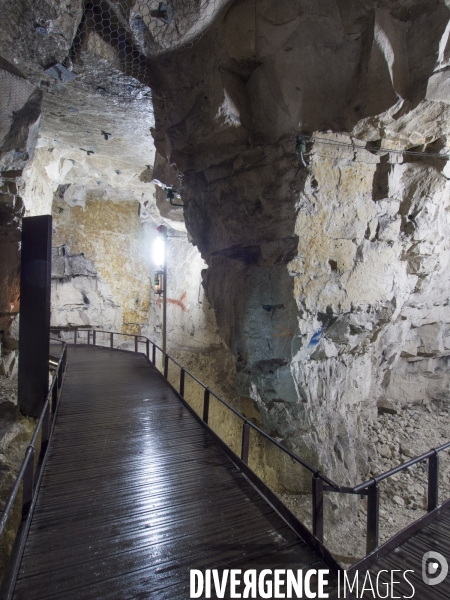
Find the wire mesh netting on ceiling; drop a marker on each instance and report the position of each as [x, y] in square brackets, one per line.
[15, 90]
[161, 26]
[121, 35]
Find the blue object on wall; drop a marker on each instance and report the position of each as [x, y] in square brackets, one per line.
[315, 339]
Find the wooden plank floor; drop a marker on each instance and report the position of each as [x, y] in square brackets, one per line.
[436, 538]
[135, 493]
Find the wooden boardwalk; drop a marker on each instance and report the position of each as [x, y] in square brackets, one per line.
[409, 556]
[135, 493]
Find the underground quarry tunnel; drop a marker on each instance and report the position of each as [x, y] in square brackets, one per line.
[292, 157]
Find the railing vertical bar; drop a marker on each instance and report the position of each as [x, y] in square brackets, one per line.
[433, 481]
[55, 394]
[28, 483]
[94, 337]
[59, 376]
[136, 343]
[206, 406]
[147, 348]
[75, 337]
[45, 435]
[111, 340]
[317, 508]
[182, 374]
[373, 520]
[154, 354]
[166, 365]
[245, 442]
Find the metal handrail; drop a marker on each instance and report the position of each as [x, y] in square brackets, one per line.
[29, 473]
[406, 465]
[369, 488]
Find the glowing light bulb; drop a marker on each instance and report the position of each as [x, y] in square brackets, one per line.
[158, 251]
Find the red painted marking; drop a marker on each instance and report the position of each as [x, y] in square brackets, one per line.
[179, 302]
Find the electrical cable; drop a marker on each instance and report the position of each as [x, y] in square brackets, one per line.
[173, 203]
[300, 149]
[314, 139]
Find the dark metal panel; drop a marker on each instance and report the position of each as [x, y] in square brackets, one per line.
[34, 328]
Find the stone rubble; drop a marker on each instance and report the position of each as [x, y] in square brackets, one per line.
[394, 438]
[15, 434]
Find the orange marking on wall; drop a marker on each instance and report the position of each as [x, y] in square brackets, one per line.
[284, 333]
[178, 302]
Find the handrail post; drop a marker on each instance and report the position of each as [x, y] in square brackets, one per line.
[153, 354]
[94, 337]
[55, 395]
[45, 435]
[166, 365]
[245, 442]
[59, 376]
[433, 481]
[182, 373]
[373, 518]
[136, 343]
[88, 337]
[206, 405]
[147, 349]
[28, 483]
[111, 340]
[75, 337]
[317, 506]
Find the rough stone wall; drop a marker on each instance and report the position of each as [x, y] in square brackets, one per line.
[328, 281]
[20, 105]
[38, 34]
[371, 280]
[10, 235]
[101, 267]
[191, 321]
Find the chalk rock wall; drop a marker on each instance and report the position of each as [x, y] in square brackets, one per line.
[40, 34]
[371, 279]
[101, 267]
[329, 281]
[191, 323]
[20, 109]
[80, 298]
